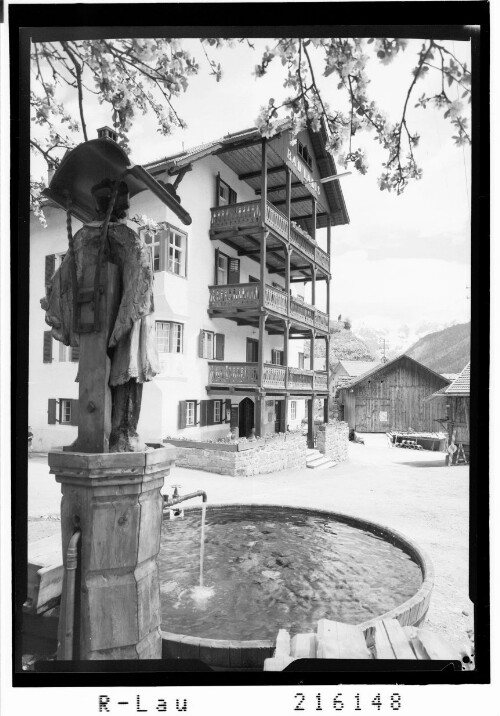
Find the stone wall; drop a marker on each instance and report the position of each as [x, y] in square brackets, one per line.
[333, 440]
[278, 452]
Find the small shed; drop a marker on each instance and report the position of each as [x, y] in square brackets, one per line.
[453, 403]
[345, 370]
[393, 396]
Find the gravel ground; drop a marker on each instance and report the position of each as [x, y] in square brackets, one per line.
[410, 491]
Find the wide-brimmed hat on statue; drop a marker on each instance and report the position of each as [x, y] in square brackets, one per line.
[92, 162]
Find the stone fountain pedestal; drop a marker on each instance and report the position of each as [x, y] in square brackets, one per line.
[115, 500]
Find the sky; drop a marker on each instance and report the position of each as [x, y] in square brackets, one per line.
[402, 260]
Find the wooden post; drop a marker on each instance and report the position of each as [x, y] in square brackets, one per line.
[313, 284]
[328, 235]
[288, 255]
[263, 183]
[114, 500]
[310, 422]
[286, 340]
[288, 200]
[326, 409]
[262, 326]
[311, 360]
[94, 420]
[328, 282]
[314, 212]
[260, 407]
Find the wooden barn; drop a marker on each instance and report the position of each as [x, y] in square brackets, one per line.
[392, 396]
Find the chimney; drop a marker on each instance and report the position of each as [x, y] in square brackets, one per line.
[107, 133]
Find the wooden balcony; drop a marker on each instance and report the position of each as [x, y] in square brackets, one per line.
[239, 222]
[237, 300]
[246, 375]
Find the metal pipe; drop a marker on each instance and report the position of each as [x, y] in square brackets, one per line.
[175, 500]
[69, 611]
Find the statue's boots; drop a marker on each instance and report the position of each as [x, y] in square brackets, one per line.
[125, 413]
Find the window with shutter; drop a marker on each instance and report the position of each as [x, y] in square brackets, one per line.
[233, 273]
[75, 353]
[47, 347]
[203, 413]
[51, 411]
[217, 411]
[227, 417]
[75, 407]
[219, 346]
[182, 414]
[210, 412]
[224, 194]
[206, 344]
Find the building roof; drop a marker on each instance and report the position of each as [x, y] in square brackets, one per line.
[241, 152]
[382, 366]
[355, 368]
[461, 384]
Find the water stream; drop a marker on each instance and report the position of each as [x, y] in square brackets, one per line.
[201, 594]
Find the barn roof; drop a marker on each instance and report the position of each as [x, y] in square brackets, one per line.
[357, 367]
[458, 387]
[382, 366]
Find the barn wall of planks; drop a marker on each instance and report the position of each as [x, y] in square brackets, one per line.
[394, 398]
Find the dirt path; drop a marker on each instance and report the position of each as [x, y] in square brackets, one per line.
[409, 491]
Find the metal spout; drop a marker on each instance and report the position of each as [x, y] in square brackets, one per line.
[167, 504]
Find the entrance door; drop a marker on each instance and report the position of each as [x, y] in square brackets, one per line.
[278, 413]
[246, 417]
[252, 351]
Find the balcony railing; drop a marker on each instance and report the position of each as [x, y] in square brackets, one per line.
[247, 214]
[273, 376]
[247, 295]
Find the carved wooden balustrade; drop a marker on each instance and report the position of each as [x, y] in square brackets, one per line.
[300, 379]
[320, 380]
[302, 311]
[233, 374]
[321, 320]
[247, 295]
[273, 376]
[275, 299]
[302, 242]
[247, 213]
[239, 295]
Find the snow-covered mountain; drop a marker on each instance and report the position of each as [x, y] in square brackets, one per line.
[398, 337]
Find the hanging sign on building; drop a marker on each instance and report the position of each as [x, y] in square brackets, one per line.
[298, 164]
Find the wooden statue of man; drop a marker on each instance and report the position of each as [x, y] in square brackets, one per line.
[123, 329]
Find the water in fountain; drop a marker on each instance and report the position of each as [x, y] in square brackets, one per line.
[201, 594]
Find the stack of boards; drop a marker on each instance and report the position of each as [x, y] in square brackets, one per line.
[386, 639]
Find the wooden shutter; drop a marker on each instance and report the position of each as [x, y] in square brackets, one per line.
[75, 412]
[216, 273]
[47, 347]
[210, 412]
[51, 411]
[75, 353]
[227, 408]
[233, 272]
[234, 416]
[203, 413]
[182, 414]
[219, 346]
[274, 358]
[232, 196]
[50, 267]
[217, 189]
[200, 344]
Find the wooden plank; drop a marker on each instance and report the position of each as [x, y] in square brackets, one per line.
[412, 636]
[340, 641]
[383, 647]
[303, 646]
[436, 647]
[398, 639]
